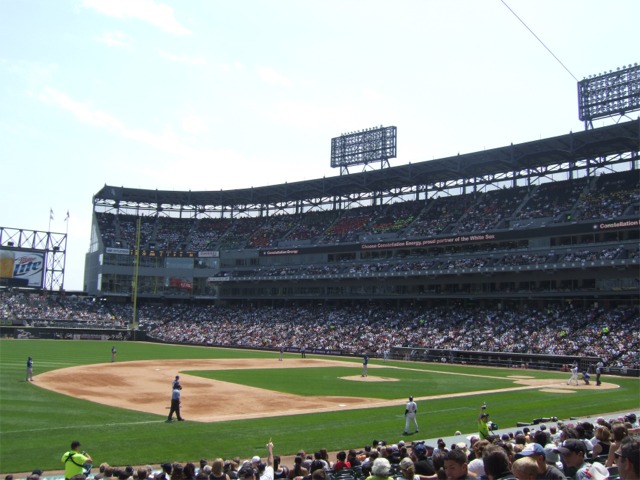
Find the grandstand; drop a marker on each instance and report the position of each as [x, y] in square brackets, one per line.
[525, 255]
[554, 220]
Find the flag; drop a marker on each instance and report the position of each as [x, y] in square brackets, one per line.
[67, 217]
[51, 214]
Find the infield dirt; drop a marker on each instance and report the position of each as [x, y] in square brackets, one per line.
[146, 386]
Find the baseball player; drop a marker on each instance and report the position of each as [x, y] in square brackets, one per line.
[410, 412]
[113, 354]
[29, 369]
[574, 374]
[365, 362]
[599, 369]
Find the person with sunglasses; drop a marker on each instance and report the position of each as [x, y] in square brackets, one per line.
[628, 458]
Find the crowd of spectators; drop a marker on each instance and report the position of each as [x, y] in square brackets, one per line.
[612, 334]
[438, 261]
[608, 448]
[609, 196]
[46, 310]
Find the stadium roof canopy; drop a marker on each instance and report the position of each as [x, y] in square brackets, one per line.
[572, 147]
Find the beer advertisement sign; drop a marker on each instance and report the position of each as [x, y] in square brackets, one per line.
[22, 268]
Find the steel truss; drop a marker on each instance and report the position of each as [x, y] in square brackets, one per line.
[53, 244]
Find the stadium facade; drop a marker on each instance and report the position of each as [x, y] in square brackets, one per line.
[553, 220]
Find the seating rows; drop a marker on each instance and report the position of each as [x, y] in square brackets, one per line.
[608, 196]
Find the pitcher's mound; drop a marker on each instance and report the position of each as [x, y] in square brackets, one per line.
[372, 378]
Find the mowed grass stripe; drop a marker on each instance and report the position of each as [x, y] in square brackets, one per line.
[329, 381]
[36, 425]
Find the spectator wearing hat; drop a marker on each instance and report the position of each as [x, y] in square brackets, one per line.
[423, 464]
[483, 424]
[632, 418]
[537, 453]
[456, 464]
[74, 460]
[628, 458]
[574, 457]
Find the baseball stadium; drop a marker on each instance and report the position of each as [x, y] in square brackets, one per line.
[479, 279]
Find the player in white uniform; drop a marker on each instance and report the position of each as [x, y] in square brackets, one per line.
[410, 415]
[574, 375]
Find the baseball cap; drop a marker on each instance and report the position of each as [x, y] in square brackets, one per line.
[572, 445]
[550, 454]
[596, 471]
[531, 449]
[484, 415]
[420, 449]
[255, 459]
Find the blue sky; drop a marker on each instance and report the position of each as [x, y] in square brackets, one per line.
[210, 95]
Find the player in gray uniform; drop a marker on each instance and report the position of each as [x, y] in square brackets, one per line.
[599, 369]
[410, 415]
[29, 369]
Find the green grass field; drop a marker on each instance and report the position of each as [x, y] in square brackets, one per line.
[36, 425]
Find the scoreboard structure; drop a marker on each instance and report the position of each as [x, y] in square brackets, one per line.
[609, 94]
[365, 147]
[32, 259]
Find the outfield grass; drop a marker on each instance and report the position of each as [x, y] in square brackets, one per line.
[36, 425]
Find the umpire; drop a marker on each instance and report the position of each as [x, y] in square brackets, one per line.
[175, 404]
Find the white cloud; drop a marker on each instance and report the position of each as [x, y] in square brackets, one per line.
[230, 67]
[194, 125]
[156, 14]
[183, 58]
[269, 75]
[114, 39]
[166, 141]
